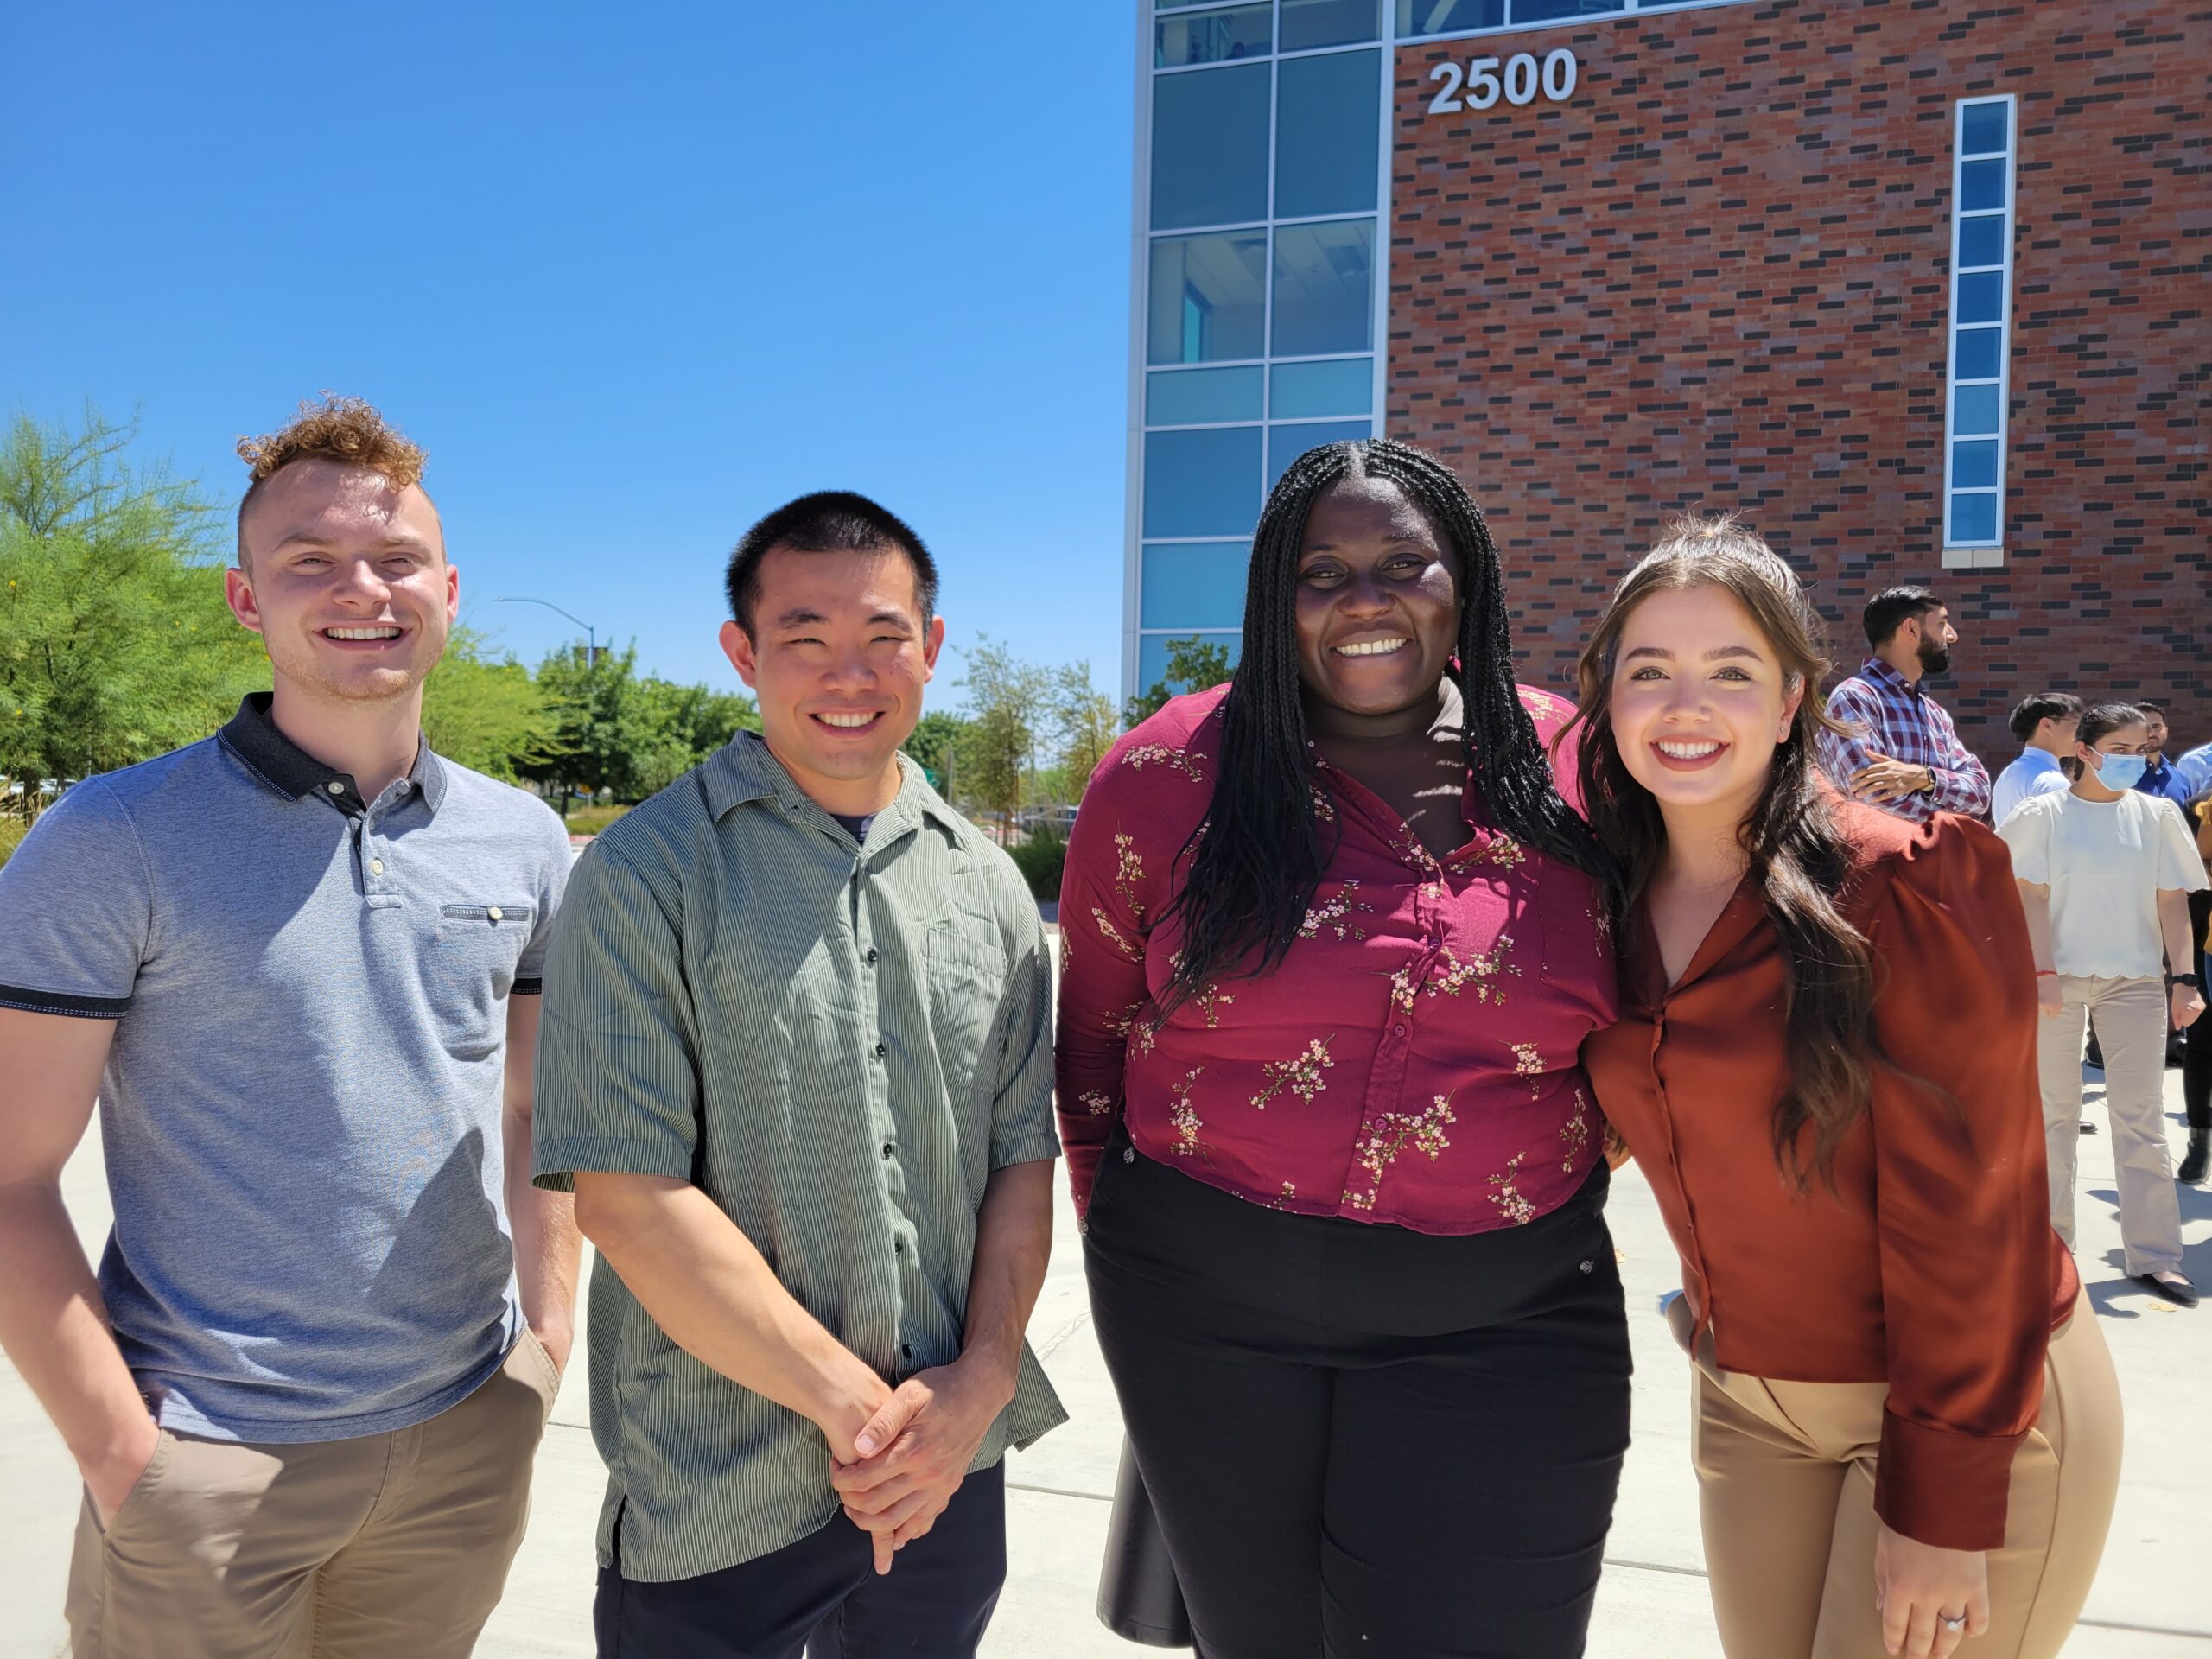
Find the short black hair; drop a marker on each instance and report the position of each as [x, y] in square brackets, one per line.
[828, 521]
[2031, 712]
[1894, 607]
[2106, 718]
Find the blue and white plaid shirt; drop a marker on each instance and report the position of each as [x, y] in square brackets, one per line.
[1897, 720]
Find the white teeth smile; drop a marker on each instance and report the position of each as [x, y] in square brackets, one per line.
[1371, 648]
[852, 722]
[1689, 751]
[363, 633]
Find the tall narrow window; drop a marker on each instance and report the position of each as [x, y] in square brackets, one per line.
[1981, 325]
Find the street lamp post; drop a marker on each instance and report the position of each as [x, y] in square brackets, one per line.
[591, 634]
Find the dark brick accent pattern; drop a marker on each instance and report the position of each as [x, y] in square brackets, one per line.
[1717, 275]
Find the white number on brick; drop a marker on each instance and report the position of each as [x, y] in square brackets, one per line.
[1559, 75]
[1521, 80]
[1481, 84]
[1447, 101]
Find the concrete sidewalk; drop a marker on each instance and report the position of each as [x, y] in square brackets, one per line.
[1652, 1604]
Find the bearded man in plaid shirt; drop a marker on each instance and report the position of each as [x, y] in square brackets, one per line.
[1905, 756]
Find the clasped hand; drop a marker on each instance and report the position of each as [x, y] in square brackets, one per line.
[1885, 779]
[914, 1452]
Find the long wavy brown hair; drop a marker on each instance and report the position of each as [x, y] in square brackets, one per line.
[1799, 858]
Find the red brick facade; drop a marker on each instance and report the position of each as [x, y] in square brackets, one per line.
[1717, 275]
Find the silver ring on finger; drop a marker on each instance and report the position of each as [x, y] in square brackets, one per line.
[1951, 1624]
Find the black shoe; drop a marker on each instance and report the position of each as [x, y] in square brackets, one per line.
[2093, 1056]
[2183, 1294]
[2200, 1153]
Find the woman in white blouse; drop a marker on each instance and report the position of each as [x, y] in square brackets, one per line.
[2105, 872]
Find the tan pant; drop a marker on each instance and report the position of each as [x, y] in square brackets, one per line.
[391, 1546]
[2130, 1017]
[1786, 1494]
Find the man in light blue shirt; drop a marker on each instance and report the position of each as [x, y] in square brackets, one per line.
[2044, 725]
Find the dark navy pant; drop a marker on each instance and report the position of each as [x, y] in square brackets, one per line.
[821, 1597]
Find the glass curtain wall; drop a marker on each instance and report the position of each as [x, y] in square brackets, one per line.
[1259, 289]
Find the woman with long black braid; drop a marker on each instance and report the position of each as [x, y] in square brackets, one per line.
[1332, 942]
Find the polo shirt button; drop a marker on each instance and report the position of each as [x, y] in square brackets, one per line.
[495, 912]
[335, 787]
[376, 866]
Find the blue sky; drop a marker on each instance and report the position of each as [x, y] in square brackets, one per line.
[632, 275]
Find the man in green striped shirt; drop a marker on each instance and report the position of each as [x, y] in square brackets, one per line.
[795, 1060]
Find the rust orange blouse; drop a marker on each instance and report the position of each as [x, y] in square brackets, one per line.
[1932, 1266]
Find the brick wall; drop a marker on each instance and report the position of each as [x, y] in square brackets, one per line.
[1717, 275]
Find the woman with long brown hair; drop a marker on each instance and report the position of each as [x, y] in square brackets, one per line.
[1826, 1066]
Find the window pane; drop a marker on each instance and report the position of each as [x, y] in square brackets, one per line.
[1210, 147]
[1211, 37]
[1345, 386]
[1538, 11]
[1209, 298]
[1981, 297]
[1982, 241]
[1984, 130]
[1973, 413]
[1190, 396]
[1327, 115]
[1973, 518]
[1202, 483]
[1442, 16]
[1981, 184]
[1194, 584]
[1978, 355]
[1328, 22]
[1323, 285]
[1287, 443]
[1973, 466]
[1152, 655]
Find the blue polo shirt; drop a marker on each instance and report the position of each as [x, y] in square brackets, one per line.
[302, 1111]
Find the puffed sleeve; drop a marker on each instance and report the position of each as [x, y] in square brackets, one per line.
[1111, 890]
[1962, 1202]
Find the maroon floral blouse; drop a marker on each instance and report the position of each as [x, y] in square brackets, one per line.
[1414, 1059]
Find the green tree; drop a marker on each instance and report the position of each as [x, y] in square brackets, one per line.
[601, 723]
[1085, 725]
[687, 723]
[934, 744]
[1008, 702]
[1193, 664]
[486, 714]
[115, 642]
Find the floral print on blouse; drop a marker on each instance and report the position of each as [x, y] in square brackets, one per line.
[1414, 1059]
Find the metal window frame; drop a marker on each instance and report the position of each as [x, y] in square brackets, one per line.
[1142, 237]
[1986, 553]
[1626, 9]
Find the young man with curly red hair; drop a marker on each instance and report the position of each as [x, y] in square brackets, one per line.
[297, 963]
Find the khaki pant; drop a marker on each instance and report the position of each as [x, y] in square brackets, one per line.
[391, 1546]
[2130, 1017]
[1786, 1494]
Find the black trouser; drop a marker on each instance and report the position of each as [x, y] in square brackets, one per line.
[821, 1596]
[2197, 1041]
[1363, 1440]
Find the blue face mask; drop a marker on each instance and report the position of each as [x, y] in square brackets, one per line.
[2121, 772]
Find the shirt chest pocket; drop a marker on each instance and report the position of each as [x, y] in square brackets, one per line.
[469, 970]
[967, 996]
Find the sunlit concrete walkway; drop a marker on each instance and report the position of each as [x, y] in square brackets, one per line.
[2151, 1600]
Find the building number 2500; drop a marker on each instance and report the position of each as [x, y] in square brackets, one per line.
[1522, 81]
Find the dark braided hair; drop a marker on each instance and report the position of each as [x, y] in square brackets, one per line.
[1254, 864]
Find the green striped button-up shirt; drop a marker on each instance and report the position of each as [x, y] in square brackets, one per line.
[838, 1043]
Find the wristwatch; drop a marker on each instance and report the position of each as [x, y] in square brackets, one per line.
[2195, 981]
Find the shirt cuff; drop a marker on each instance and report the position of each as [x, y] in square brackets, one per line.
[28, 1000]
[1040, 1148]
[554, 1163]
[1940, 1487]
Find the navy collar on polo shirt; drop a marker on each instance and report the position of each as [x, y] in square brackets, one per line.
[252, 736]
